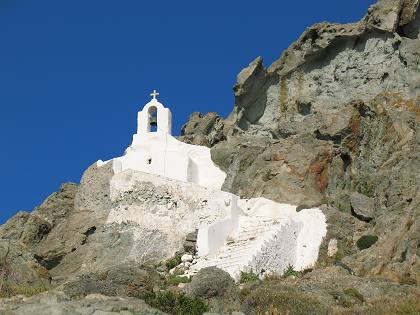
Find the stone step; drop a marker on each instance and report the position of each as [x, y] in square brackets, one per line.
[230, 259]
[246, 235]
[235, 255]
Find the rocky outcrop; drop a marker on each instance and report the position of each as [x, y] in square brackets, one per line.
[334, 121]
[21, 235]
[204, 130]
[60, 303]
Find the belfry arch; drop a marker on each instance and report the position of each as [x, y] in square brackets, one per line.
[153, 121]
[154, 117]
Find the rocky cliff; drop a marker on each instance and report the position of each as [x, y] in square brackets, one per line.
[332, 123]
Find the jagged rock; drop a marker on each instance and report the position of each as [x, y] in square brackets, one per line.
[334, 117]
[18, 264]
[59, 205]
[128, 279]
[59, 303]
[86, 211]
[19, 267]
[13, 228]
[190, 243]
[362, 206]
[204, 130]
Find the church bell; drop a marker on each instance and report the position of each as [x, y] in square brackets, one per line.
[153, 121]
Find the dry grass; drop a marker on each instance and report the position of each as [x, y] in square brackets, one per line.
[388, 306]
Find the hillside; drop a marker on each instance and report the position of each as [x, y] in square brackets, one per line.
[333, 124]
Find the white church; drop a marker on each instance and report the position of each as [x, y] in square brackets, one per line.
[154, 150]
[233, 234]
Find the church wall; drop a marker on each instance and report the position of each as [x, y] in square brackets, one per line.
[211, 237]
[173, 159]
[203, 171]
[176, 165]
[165, 206]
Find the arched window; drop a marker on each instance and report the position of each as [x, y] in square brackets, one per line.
[152, 119]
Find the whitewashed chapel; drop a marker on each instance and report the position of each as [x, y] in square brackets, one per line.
[233, 234]
[154, 150]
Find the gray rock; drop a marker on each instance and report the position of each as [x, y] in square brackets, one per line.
[57, 302]
[210, 282]
[334, 118]
[190, 243]
[59, 205]
[203, 130]
[128, 279]
[362, 206]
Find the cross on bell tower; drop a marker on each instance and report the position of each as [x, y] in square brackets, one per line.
[154, 94]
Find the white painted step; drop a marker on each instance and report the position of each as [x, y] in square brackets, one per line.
[237, 252]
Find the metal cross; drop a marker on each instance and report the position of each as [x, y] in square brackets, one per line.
[154, 94]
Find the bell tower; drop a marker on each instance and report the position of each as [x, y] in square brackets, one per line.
[154, 117]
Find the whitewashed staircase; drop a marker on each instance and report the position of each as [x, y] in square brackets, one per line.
[236, 254]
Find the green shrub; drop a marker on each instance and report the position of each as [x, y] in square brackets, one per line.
[243, 293]
[248, 277]
[175, 303]
[10, 284]
[366, 190]
[173, 262]
[366, 241]
[272, 297]
[353, 292]
[176, 279]
[290, 271]
[8, 289]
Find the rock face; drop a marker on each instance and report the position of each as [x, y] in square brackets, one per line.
[335, 121]
[60, 303]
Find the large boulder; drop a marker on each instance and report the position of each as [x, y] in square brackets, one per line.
[210, 282]
[362, 206]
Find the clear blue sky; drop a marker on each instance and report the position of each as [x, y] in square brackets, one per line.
[74, 73]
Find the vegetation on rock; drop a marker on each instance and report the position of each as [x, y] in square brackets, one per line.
[366, 241]
[176, 303]
[248, 277]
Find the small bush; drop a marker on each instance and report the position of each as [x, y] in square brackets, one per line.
[290, 271]
[176, 279]
[175, 303]
[243, 293]
[353, 292]
[274, 298]
[8, 289]
[173, 262]
[11, 285]
[388, 305]
[366, 241]
[248, 277]
[366, 190]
